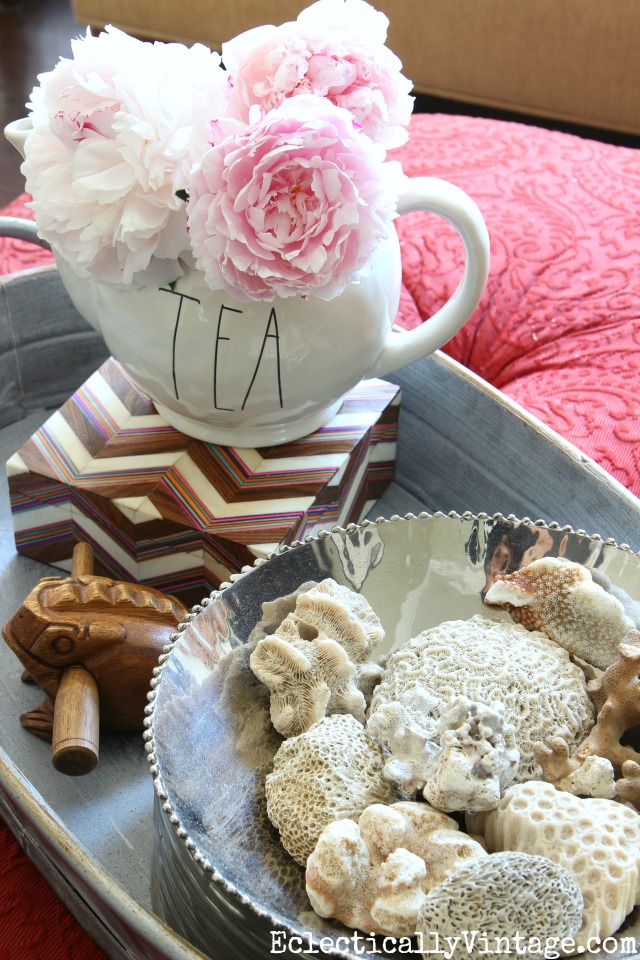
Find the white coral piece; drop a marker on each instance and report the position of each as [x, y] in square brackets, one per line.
[477, 760]
[543, 692]
[330, 772]
[405, 730]
[560, 598]
[597, 840]
[516, 896]
[317, 661]
[593, 778]
[373, 875]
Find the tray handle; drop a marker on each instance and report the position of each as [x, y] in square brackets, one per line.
[20, 229]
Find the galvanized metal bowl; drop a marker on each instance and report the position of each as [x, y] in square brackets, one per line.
[220, 876]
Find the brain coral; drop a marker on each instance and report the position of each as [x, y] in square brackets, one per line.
[543, 692]
[332, 771]
[505, 895]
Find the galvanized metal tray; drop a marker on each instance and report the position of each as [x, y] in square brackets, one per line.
[463, 446]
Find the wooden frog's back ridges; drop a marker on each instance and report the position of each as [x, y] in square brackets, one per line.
[103, 594]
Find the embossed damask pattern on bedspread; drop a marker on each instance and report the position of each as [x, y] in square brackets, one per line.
[558, 328]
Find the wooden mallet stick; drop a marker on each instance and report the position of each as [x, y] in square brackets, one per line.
[76, 718]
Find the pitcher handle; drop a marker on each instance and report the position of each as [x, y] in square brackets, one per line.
[448, 201]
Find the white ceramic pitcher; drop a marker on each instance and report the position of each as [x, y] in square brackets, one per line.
[260, 373]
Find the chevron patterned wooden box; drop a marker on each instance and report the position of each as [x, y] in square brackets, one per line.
[179, 514]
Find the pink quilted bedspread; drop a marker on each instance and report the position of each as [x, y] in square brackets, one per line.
[558, 330]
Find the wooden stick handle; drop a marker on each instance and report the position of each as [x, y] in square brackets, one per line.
[76, 723]
[82, 560]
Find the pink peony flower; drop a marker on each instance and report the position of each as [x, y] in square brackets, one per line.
[116, 131]
[335, 49]
[296, 204]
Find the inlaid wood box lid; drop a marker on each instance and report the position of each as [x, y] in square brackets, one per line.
[180, 514]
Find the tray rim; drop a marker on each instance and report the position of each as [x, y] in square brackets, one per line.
[539, 426]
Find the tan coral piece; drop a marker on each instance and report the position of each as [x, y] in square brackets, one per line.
[316, 662]
[543, 692]
[560, 598]
[275, 611]
[592, 778]
[427, 832]
[373, 875]
[307, 679]
[445, 852]
[628, 787]
[335, 611]
[506, 896]
[330, 772]
[553, 757]
[597, 840]
[616, 695]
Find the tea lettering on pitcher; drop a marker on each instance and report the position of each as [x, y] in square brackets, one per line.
[271, 333]
[183, 296]
[273, 319]
[271, 338]
[219, 337]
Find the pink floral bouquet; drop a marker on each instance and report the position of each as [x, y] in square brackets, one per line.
[268, 173]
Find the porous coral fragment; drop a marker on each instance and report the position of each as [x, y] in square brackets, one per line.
[543, 693]
[616, 694]
[316, 662]
[597, 840]
[506, 895]
[330, 772]
[374, 875]
[628, 787]
[478, 757]
[560, 598]
[401, 727]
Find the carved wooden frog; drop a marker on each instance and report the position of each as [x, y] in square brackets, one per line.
[91, 643]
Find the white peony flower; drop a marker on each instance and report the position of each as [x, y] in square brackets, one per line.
[116, 131]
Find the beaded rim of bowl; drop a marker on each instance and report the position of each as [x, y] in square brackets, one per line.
[214, 875]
